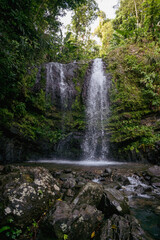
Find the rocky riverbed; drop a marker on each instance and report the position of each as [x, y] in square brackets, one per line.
[61, 202]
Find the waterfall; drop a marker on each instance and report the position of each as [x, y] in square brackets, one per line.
[94, 145]
[63, 87]
[55, 82]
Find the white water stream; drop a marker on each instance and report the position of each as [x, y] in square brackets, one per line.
[52, 84]
[94, 145]
[95, 141]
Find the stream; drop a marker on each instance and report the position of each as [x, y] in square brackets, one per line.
[135, 181]
[143, 196]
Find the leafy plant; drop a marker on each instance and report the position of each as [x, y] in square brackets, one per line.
[65, 236]
[11, 232]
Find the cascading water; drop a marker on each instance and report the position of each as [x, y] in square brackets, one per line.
[60, 87]
[63, 86]
[55, 82]
[94, 145]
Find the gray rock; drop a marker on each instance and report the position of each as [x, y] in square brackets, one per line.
[113, 201]
[77, 223]
[56, 174]
[67, 170]
[113, 185]
[102, 179]
[105, 175]
[59, 219]
[26, 193]
[80, 184]
[121, 179]
[69, 183]
[122, 228]
[90, 194]
[70, 193]
[154, 171]
[89, 219]
[156, 184]
[108, 171]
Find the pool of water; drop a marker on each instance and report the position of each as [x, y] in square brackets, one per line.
[149, 220]
[87, 162]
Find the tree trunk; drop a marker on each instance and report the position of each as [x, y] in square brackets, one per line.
[135, 5]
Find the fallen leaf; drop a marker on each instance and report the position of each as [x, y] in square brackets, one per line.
[59, 199]
[113, 227]
[93, 234]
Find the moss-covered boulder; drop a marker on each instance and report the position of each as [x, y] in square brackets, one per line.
[74, 222]
[25, 194]
[90, 194]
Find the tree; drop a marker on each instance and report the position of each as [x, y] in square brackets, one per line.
[82, 17]
[29, 32]
[151, 11]
[104, 31]
[137, 19]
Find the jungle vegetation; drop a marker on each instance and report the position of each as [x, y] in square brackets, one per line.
[30, 32]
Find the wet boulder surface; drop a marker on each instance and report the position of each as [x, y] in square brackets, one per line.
[74, 221]
[25, 194]
[118, 227]
[65, 203]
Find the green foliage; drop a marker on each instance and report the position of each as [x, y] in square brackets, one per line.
[65, 236]
[2, 229]
[6, 117]
[10, 231]
[38, 101]
[77, 43]
[19, 109]
[134, 97]
[136, 21]
[104, 31]
[29, 37]
[35, 224]
[14, 233]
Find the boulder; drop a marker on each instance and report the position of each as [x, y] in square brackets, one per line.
[74, 222]
[57, 222]
[89, 221]
[108, 171]
[121, 179]
[90, 194]
[26, 193]
[69, 183]
[154, 171]
[118, 227]
[113, 185]
[113, 202]
[156, 185]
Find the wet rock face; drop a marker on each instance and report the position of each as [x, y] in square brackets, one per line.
[70, 147]
[59, 84]
[16, 149]
[118, 227]
[113, 201]
[154, 171]
[76, 222]
[90, 194]
[77, 207]
[25, 193]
